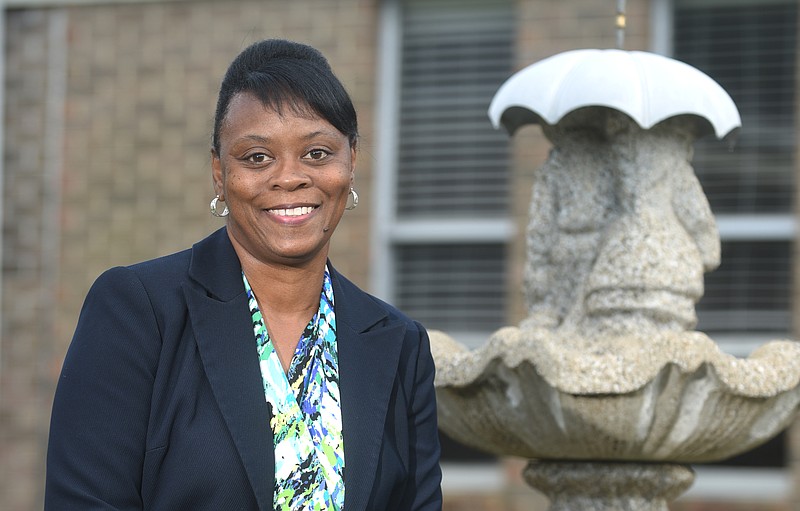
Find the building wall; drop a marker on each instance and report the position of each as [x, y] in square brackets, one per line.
[27, 346]
[108, 118]
[108, 126]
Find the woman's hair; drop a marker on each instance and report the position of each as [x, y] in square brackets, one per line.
[285, 74]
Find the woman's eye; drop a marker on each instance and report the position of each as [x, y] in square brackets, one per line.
[317, 154]
[257, 158]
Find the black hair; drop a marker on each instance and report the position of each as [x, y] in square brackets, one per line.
[286, 74]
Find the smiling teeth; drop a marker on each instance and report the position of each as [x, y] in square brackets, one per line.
[303, 210]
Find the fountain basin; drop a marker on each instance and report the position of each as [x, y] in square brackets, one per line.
[674, 397]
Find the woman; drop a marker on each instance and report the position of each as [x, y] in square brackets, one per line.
[246, 373]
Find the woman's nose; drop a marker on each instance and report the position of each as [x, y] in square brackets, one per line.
[289, 175]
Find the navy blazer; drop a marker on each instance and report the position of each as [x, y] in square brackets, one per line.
[160, 404]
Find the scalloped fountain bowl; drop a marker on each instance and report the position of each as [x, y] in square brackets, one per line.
[675, 398]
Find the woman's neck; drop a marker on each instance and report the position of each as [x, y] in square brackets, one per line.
[285, 289]
[287, 296]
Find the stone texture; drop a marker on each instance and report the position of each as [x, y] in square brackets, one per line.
[608, 486]
[676, 397]
[620, 231]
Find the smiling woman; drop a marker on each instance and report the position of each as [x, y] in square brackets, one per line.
[285, 178]
[245, 372]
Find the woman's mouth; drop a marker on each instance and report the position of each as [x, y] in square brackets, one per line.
[289, 212]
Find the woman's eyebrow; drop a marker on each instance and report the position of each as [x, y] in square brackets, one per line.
[255, 138]
[318, 133]
[308, 136]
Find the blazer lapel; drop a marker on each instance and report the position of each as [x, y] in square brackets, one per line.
[223, 328]
[369, 351]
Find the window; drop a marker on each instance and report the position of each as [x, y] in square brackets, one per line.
[447, 191]
[455, 55]
[457, 287]
[750, 290]
[443, 214]
[749, 47]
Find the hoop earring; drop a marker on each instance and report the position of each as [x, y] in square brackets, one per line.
[354, 203]
[214, 211]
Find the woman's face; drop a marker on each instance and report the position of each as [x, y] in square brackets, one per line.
[284, 178]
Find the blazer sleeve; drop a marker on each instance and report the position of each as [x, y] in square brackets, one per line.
[426, 493]
[101, 409]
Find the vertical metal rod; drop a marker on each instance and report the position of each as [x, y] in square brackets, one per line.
[620, 24]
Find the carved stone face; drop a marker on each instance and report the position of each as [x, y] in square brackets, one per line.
[626, 232]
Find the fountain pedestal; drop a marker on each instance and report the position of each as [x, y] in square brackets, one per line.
[599, 486]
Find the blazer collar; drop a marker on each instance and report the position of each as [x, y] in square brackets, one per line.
[369, 344]
[216, 267]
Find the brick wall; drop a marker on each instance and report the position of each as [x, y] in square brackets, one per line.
[30, 231]
[108, 125]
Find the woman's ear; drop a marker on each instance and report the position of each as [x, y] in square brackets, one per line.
[353, 154]
[217, 173]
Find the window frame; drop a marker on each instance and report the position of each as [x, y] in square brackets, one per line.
[391, 230]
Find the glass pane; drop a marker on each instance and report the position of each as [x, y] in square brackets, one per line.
[751, 290]
[456, 55]
[751, 51]
[455, 288]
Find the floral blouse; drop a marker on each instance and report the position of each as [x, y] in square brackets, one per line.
[306, 411]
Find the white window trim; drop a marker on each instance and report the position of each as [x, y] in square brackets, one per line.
[387, 136]
[453, 231]
[661, 26]
[757, 227]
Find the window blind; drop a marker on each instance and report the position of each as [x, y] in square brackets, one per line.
[454, 287]
[751, 290]
[453, 165]
[455, 55]
[750, 48]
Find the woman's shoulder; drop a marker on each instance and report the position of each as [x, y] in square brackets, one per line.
[156, 282]
[164, 267]
[167, 270]
[160, 271]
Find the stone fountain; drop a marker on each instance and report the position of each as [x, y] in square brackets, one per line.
[605, 385]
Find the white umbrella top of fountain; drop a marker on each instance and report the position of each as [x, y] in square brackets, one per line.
[647, 87]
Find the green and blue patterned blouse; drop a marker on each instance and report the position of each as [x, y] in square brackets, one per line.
[306, 411]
